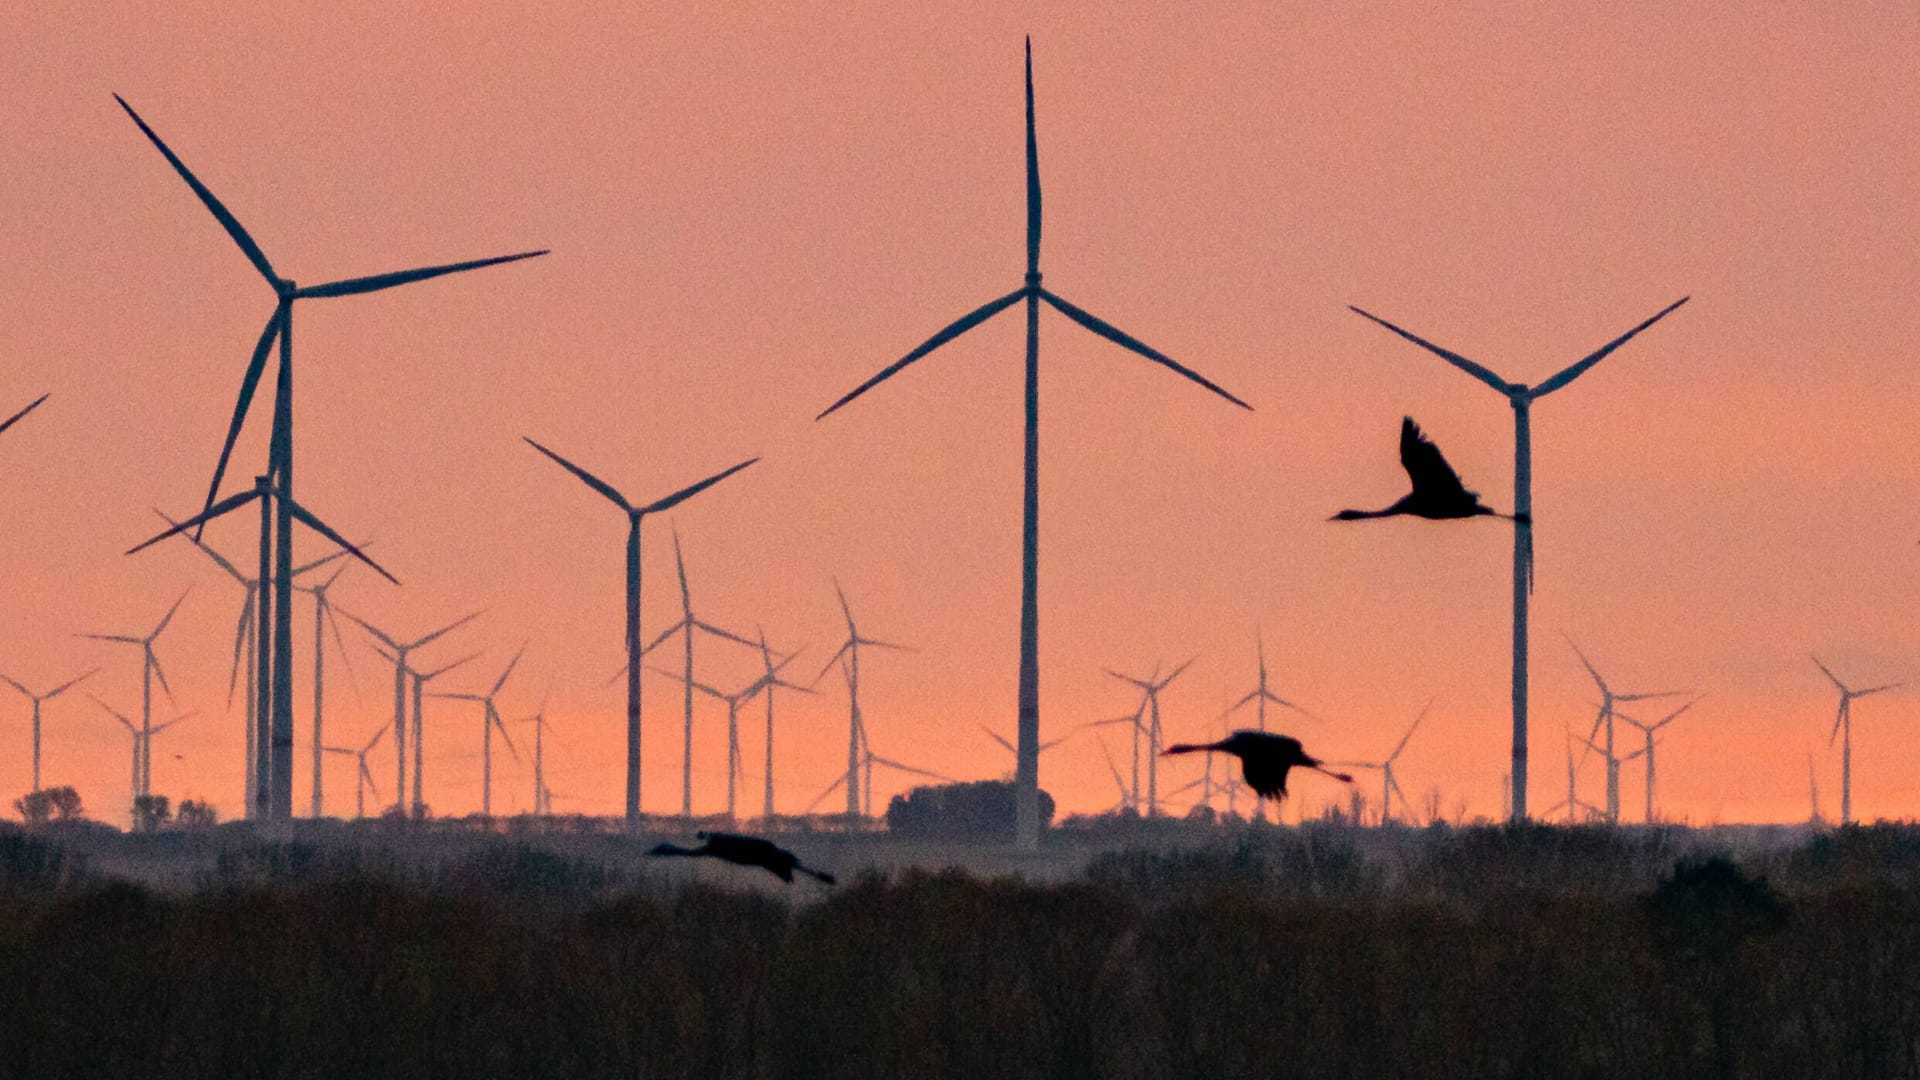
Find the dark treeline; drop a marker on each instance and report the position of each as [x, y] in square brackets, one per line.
[1271, 952]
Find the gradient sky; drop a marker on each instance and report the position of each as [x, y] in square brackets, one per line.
[752, 211]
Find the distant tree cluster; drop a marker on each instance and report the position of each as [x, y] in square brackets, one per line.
[49, 804]
[980, 810]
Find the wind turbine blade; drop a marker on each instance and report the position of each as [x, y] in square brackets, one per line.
[1584, 662]
[115, 713]
[1252, 695]
[586, 477]
[995, 736]
[878, 760]
[680, 567]
[727, 635]
[1118, 781]
[122, 638]
[321, 527]
[437, 672]
[367, 775]
[686, 493]
[1451, 357]
[15, 418]
[338, 750]
[376, 282]
[502, 728]
[1176, 673]
[161, 674]
[1831, 677]
[447, 629]
[168, 617]
[249, 384]
[1410, 730]
[1046, 746]
[218, 559]
[58, 690]
[241, 630]
[822, 797]
[1126, 678]
[1877, 689]
[8, 679]
[214, 205]
[378, 734]
[1126, 341]
[511, 664]
[1033, 177]
[320, 562]
[834, 659]
[232, 502]
[340, 645]
[658, 640]
[368, 627]
[696, 684]
[1574, 371]
[874, 644]
[953, 330]
[840, 594]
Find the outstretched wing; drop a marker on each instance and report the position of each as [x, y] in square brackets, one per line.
[1429, 471]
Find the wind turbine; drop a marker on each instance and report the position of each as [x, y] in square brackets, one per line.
[1648, 730]
[1009, 747]
[771, 673]
[323, 618]
[1389, 787]
[1521, 397]
[867, 759]
[280, 447]
[850, 651]
[1027, 772]
[489, 720]
[1573, 803]
[634, 514]
[1604, 720]
[398, 654]
[1126, 796]
[142, 745]
[244, 641]
[685, 627]
[16, 417]
[1843, 723]
[1133, 720]
[364, 779]
[1259, 696]
[1152, 686]
[275, 790]
[37, 699]
[733, 703]
[149, 668]
[541, 801]
[420, 681]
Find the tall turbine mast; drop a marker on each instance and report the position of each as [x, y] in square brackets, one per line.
[1027, 771]
[1521, 397]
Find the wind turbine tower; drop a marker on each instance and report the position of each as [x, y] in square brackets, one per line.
[1648, 730]
[1521, 397]
[37, 699]
[279, 653]
[634, 516]
[1151, 687]
[1603, 722]
[1027, 772]
[850, 652]
[490, 721]
[1389, 787]
[397, 652]
[1843, 728]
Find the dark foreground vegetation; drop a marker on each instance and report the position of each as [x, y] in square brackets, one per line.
[1322, 951]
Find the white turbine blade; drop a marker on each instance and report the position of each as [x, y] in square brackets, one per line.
[1574, 371]
[1410, 730]
[1451, 357]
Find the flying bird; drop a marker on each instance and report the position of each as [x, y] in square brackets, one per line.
[1437, 491]
[747, 851]
[1264, 759]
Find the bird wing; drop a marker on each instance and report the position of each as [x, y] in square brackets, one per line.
[1429, 471]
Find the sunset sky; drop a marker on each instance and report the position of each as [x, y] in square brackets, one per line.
[752, 211]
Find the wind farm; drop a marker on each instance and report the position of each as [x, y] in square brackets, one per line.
[712, 239]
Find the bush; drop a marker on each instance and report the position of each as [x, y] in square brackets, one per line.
[982, 810]
[150, 812]
[48, 804]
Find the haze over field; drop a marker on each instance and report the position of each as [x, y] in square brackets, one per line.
[749, 213]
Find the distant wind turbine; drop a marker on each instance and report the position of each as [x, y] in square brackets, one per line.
[1843, 728]
[364, 779]
[733, 702]
[1521, 397]
[489, 722]
[37, 699]
[323, 618]
[1260, 695]
[245, 642]
[634, 514]
[685, 628]
[771, 673]
[149, 670]
[1648, 730]
[1151, 687]
[1389, 787]
[1573, 802]
[542, 801]
[16, 417]
[1001, 741]
[399, 651]
[142, 745]
[867, 759]
[420, 681]
[280, 446]
[848, 657]
[1126, 797]
[278, 788]
[1027, 771]
[1603, 722]
[1136, 726]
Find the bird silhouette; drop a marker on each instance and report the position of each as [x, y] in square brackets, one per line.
[1437, 491]
[1264, 759]
[747, 851]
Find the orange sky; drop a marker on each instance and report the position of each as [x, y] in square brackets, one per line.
[750, 213]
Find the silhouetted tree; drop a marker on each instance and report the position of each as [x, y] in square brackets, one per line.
[150, 812]
[34, 808]
[980, 810]
[196, 815]
[64, 802]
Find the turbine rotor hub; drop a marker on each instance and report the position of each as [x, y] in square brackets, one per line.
[1033, 279]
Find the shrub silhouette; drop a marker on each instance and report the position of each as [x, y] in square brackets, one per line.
[979, 810]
